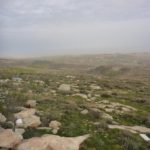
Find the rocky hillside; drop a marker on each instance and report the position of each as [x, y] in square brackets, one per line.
[100, 105]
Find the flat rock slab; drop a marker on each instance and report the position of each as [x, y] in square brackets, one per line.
[145, 137]
[52, 142]
[133, 129]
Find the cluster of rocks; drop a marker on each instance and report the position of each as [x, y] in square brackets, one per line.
[110, 107]
[102, 114]
[27, 118]
[67, 88]
[12, 138]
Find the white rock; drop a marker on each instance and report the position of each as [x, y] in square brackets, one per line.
[19, 122]
[145, 137]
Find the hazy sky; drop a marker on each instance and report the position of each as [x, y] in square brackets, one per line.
[51, 27]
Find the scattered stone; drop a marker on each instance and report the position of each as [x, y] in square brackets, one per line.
[2, 118]
[64, 88]
[52, 142]
[31, 104]
[55, 126]
[84, 112]
[95, 87]
[9, 139]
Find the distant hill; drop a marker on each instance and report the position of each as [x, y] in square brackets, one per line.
[109, 65]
